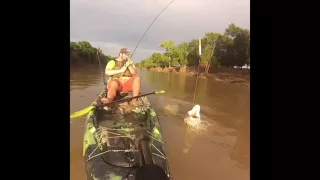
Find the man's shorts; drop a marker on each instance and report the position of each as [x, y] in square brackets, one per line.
[125, 87]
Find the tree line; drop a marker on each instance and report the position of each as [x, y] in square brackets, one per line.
[83, 52]
[232, 48]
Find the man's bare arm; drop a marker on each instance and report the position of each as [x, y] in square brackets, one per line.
[132, 70]
[113, 72]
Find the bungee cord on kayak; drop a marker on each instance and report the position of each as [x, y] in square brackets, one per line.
[111, 139]
[100, 131]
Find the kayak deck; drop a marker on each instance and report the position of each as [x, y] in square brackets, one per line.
[109, 145]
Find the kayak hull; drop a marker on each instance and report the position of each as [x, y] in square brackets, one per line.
[110, 146]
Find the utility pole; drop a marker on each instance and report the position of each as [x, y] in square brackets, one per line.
[195, 88]
[199, 50]
[200, 46]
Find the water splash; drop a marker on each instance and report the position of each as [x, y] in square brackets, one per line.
[192, 119]
[199, 127]
[194, 122]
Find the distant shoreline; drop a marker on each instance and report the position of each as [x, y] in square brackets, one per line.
[227, 75]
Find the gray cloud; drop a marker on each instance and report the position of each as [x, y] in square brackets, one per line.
[115, 24]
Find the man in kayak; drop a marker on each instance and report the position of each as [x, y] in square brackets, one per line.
[122, 77]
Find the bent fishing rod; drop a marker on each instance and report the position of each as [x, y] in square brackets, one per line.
[138, 41]
[151, 25]
[99, 51]
[149, 28]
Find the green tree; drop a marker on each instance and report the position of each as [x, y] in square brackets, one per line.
[222, 50]
[170, 47]
[182, 51]
[209, 44]
[84, 53]
[157, 58]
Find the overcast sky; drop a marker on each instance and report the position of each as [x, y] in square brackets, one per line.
[111, 24]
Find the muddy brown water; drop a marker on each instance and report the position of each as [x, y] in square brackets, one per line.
[220, 153]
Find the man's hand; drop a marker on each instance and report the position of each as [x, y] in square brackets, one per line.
[128, 63]
[123, 69]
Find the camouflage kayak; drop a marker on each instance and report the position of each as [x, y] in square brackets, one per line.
[111, 140]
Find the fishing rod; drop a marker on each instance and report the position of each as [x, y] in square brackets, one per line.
[150, 26]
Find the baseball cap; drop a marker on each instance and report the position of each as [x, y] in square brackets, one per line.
[125, 51]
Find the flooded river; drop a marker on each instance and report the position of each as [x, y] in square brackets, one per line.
[220, 153]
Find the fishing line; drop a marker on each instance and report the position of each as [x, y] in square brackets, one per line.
[148, 29]
[195, 88]
[103, 76]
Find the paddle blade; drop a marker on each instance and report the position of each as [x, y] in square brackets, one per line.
[160, 92]
[81, 113]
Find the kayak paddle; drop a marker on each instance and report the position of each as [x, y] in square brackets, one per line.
[88, 109]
